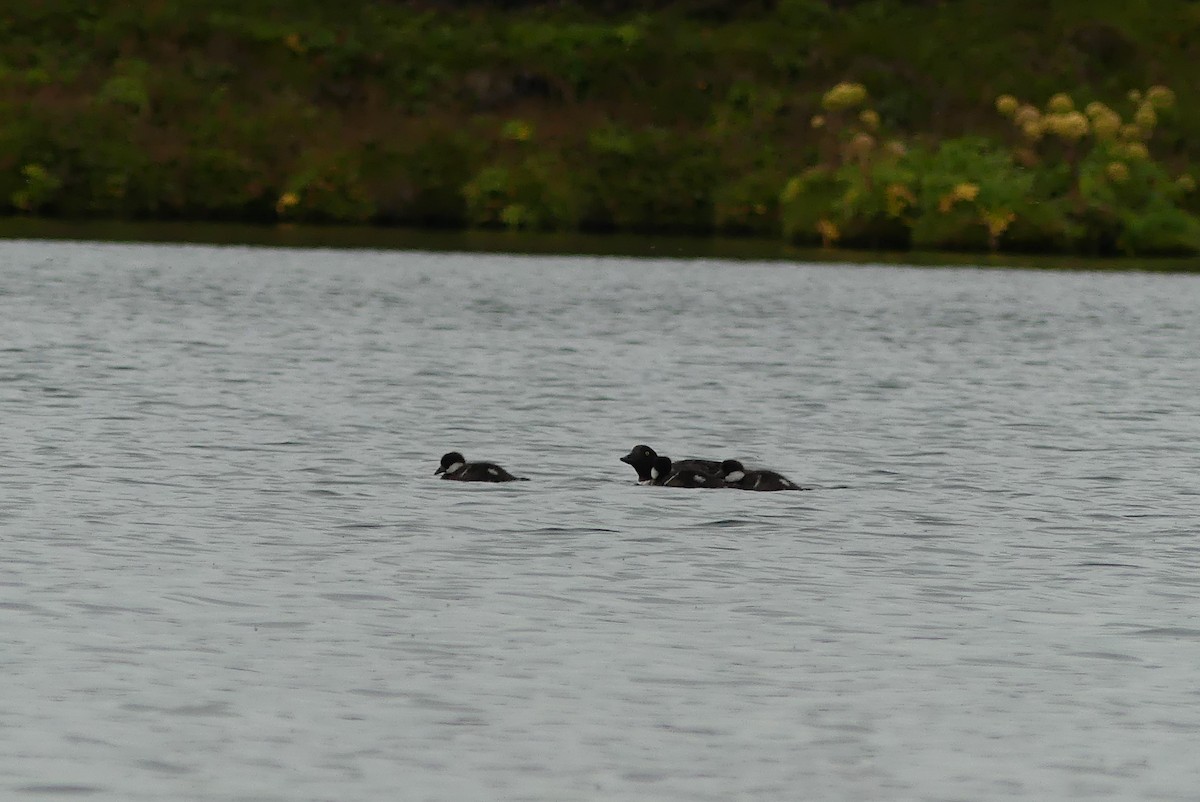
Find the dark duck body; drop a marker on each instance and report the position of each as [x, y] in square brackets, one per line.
[736, 476]
[642, 459]
[667, 474]
[455, 467]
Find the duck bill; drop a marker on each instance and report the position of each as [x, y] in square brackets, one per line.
[441, 469]
[628, 458]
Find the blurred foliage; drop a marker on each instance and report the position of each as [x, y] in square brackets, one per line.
[877, 123]
[1065, 179]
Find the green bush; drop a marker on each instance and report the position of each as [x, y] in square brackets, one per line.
[39, 188]
[748, 204]
[647, 179]
[1132, 206]
[689, 116]
[858, 204]
[327, 187]
[969, 191]
[530, 193]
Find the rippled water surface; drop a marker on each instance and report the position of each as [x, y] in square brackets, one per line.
[229, 572]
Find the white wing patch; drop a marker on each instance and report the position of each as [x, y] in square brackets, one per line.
[493, 472]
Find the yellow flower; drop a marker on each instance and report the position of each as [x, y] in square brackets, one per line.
[1135, 96]
[1106, 124]
[1186, 183]
[1160, 97]
[1095, 109]
[869, 118]
[1007, 105]
[1069, 125]
[286, 201]
[862, 142]
[1146, 117]
[965, 191]
[1025, 113]
[1117, 172]
[860, 146]
[997, 222]
[818, 121]
[1131, 132]
[895, 148]
[829, 232]
[1033, 130]
[844, 96]
[1027, 117]
[1060, 103]
[898, 198]
[1136, 152]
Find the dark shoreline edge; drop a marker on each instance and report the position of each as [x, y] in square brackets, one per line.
[649, 246]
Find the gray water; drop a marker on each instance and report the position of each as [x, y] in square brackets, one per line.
[229, 573]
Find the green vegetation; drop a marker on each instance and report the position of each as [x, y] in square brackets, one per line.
[962, 124]
[1064, 180]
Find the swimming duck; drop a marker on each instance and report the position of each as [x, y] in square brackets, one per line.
[455, 467]
[736, 475]
[667, 474]
[642, 458]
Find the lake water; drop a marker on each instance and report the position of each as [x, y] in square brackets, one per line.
[229, 572]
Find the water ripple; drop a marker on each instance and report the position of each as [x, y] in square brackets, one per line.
[232, 574]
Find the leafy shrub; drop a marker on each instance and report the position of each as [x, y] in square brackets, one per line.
[327, 187]
[647, 179]
[530, 193]
[40, 186]
[862, 193]
[969, 191]
[1132, 206]
[127, 86]
[748, 204]
[1081, 179]
[1095, 167]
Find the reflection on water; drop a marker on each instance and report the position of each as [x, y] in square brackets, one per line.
[230, 572]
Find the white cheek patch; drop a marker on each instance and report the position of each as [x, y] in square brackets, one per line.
[455, 468]
[735, 476]
[654, 473]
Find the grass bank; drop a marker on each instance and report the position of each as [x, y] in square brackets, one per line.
[691, 118]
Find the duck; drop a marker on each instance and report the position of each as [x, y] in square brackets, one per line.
[667, 474]
[736, 476]
[642, 457]
[455, 467]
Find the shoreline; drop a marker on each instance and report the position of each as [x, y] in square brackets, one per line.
[643, 246]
